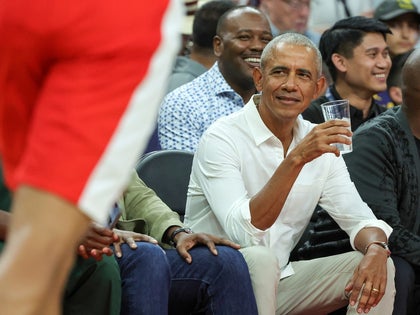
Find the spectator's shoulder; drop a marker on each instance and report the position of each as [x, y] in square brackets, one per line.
[387, 120]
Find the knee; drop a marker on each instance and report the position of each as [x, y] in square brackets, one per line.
[109, 271]
[228, 260]
[231, 262]
[144, 250]
[262, 263]
[146, 256]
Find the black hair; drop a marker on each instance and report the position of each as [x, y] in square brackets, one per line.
[345, 35]
[205, 22]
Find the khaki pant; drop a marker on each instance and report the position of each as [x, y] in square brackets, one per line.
[317, 287]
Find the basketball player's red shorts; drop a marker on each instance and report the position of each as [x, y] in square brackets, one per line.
[80, 85]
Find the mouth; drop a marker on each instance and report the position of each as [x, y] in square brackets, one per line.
[405, 44]
[288, 99]
[253, 61]
[380, 76]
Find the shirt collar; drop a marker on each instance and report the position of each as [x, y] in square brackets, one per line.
[259, 130]
[356, 115]
[374, 109]
[220, 86]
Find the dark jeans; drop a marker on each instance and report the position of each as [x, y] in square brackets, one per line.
[404, 286]
[161, 282]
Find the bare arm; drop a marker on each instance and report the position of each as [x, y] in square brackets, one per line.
[368, 235]
[264, 208]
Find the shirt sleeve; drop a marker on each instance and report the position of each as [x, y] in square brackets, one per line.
[344, 204]
[219, 176]
[144, 212]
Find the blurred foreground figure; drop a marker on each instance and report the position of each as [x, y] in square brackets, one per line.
[79, 86]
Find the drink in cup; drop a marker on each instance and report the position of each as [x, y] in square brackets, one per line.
[338, 109]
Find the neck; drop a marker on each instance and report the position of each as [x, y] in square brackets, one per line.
[246, 94]
[244, 86]
[282, 129]
[358, 99]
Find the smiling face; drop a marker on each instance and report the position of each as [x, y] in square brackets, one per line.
[405, 33]
[289, 81]
[239, 46]
[366, 71]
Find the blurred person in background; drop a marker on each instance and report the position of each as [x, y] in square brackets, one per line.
[403, 19]
[288, 16]
[324, 13]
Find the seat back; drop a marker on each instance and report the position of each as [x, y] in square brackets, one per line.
[167, 172]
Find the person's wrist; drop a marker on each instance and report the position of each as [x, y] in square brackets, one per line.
[167, 236]
[379, 244]
[176, 234]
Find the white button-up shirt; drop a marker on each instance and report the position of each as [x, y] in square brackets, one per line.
[236, 157]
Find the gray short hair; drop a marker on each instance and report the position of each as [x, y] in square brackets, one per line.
[294, 39]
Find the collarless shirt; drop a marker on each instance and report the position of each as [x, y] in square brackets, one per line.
[190, 109]
[314, 112]
[236, 157]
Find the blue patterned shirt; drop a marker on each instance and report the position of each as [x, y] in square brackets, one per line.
[189, 110]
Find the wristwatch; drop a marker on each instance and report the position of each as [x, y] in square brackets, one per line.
[177, 231]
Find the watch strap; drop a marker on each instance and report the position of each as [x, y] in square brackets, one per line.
[177, 231]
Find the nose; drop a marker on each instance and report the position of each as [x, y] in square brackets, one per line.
[304, 10]
[257, 44]
[289, 83]
[384, 62]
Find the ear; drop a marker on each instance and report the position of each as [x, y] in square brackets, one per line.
[320, 87]
[257, 76]
[395, 94]
[339, 62]
[217, 46]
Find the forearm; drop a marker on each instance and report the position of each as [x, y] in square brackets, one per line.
[266, 205]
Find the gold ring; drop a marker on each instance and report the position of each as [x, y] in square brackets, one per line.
[375, 290]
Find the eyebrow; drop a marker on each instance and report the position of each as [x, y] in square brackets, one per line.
[305, 71]
[298, 70]
[376, 49]
[253, 30]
